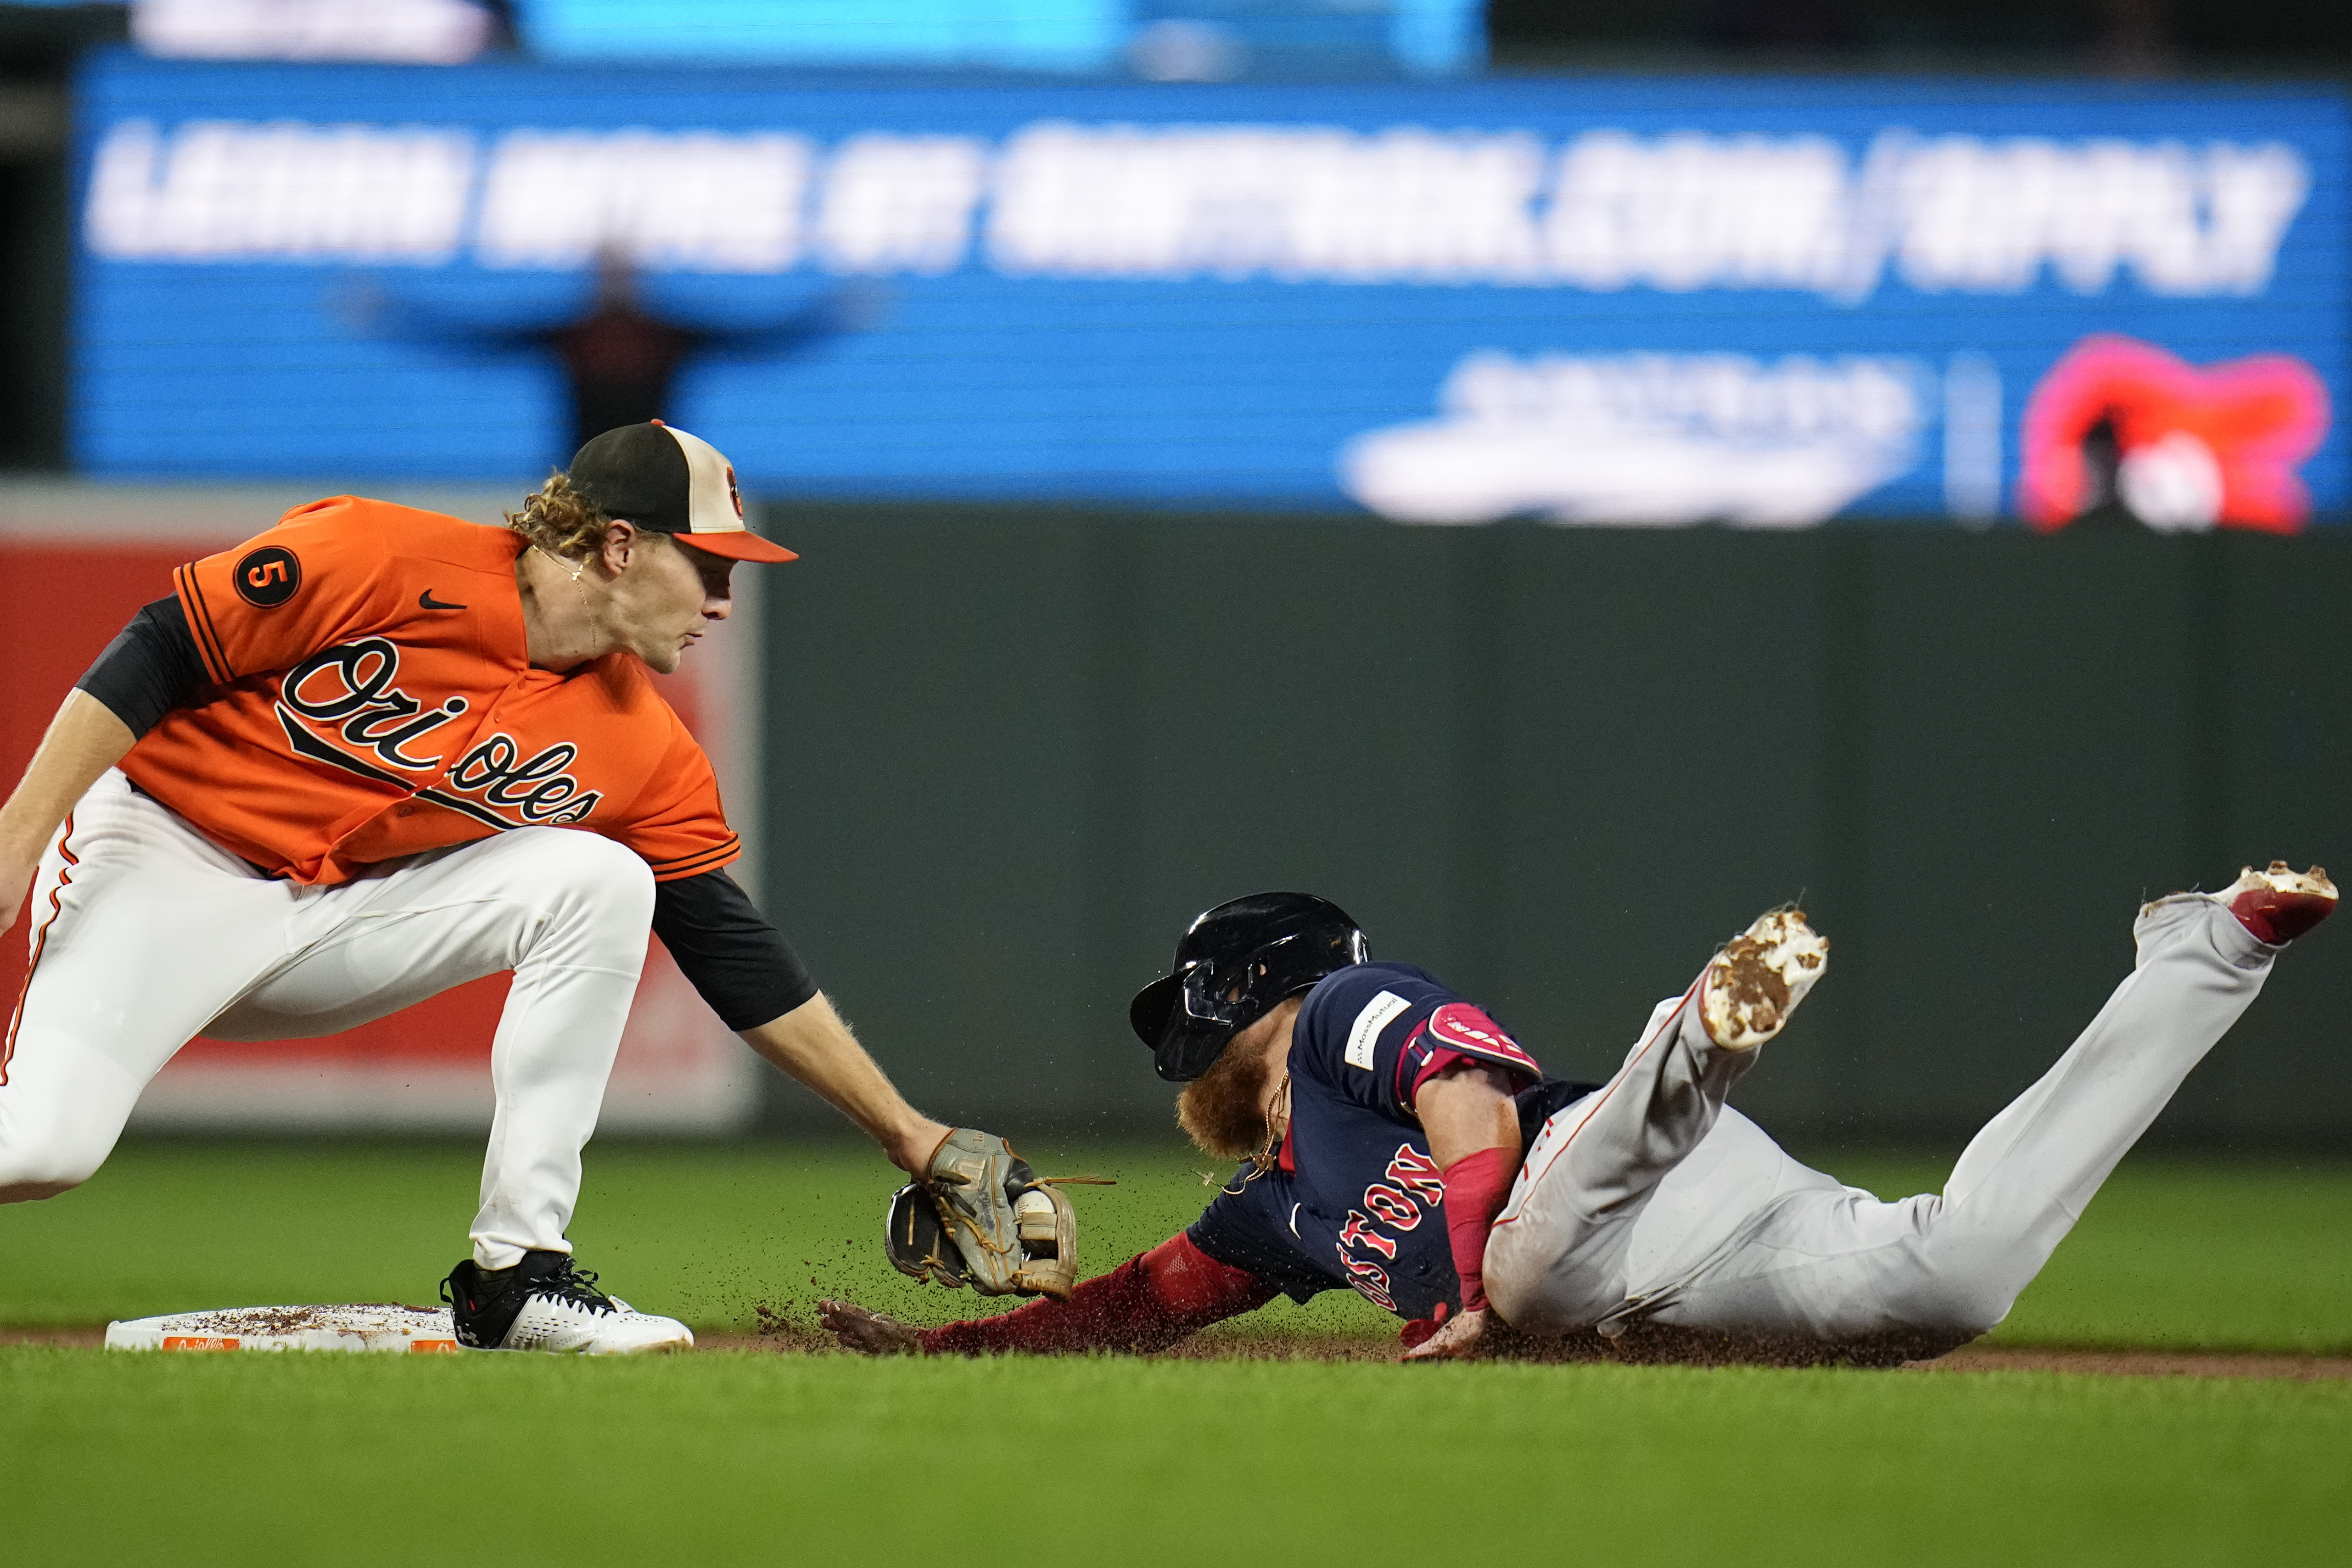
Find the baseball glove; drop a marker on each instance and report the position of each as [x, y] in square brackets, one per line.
[981, 1217]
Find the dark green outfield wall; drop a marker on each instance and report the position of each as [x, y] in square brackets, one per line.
[1011, 753]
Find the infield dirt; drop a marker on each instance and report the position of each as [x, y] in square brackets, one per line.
[2084, 1361]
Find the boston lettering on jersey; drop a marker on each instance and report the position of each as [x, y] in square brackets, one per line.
[1411, 1174]
[1356, 1199]
[373, 697]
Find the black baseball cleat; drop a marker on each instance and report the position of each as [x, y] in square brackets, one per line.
[545, 1303]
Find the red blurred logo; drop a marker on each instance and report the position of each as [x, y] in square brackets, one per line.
[2181, 448]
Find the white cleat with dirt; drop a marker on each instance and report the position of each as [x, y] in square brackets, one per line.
[1756, 981]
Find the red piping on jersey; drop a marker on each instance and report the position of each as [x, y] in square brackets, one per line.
[1601, 1099]
[40, 941]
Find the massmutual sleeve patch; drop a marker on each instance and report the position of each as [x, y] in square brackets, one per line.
[1364, 1034]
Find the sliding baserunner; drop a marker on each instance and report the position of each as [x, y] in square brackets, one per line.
[1397, 1139]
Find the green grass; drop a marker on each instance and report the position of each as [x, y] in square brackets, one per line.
[2173, 1255]
[744, 1457]
[738, 1456]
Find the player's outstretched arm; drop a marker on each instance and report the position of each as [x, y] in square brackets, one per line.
[1473, 1127]
[83, 741]
[754, 980]
[1148, 1303]
[815, 1047]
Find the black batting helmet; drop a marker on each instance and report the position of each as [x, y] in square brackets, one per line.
[1233, 964]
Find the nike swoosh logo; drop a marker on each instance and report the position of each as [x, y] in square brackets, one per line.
[425, 601]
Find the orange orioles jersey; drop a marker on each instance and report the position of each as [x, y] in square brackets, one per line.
[372, 698]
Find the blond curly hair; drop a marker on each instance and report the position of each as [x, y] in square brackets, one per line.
[561, 522]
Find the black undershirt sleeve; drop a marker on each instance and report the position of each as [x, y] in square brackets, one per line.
[739, 962]
[150, 667]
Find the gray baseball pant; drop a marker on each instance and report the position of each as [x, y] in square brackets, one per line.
[1651, 1199]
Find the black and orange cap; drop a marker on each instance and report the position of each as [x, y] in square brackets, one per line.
[664, 478]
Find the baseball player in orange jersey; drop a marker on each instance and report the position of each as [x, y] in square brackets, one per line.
[375, 753]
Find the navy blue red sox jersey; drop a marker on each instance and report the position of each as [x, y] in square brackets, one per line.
[1355, 1200]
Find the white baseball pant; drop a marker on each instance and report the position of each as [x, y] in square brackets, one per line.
[1651, 1199]
[146, 934]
